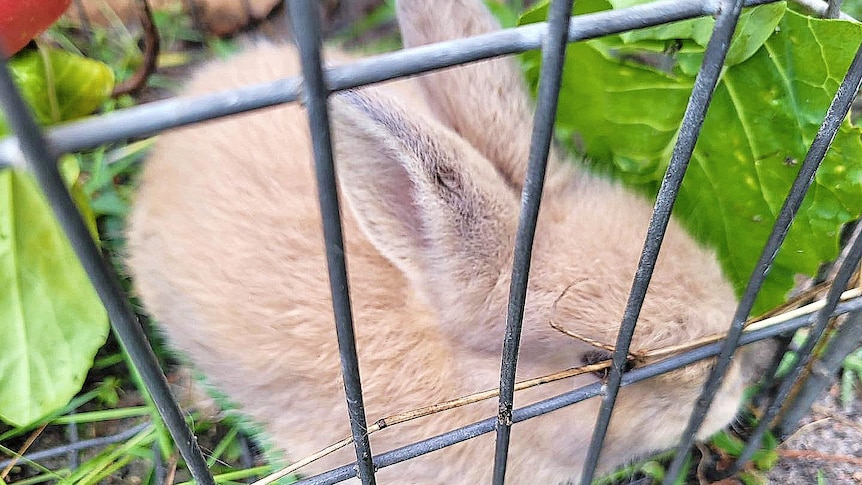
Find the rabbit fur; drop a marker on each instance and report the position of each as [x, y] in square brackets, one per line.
[226, 252]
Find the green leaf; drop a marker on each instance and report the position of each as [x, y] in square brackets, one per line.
[71, 173]
[850, 374]
[765, 112]
[506, 14]
[654, 470]
[59, 85]
[683, 472]
[754, 27]
[697, 29]
[749, 478]
[853, 361]
[728, 443]
[852, 8]
[51, 320]
[765, 459]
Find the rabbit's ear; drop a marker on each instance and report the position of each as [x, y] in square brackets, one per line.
[425, 198]
[486, 102]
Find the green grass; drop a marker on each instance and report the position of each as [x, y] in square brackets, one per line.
[113, 396]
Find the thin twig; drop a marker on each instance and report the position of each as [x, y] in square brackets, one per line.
[21, 451]
[796, 301]
[837, 417]
[753, 324]
[700, 471]
[805, 427]
[434, 409]
[172, 469]
[571, 372]
[556, 326]
[151, 54]
[819, 456]
[803, 310]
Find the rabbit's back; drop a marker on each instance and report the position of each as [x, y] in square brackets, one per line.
[227, 252]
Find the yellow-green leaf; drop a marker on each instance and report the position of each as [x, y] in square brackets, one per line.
[59, 85]
[51, 320]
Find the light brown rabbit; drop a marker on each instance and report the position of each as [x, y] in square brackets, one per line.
[227, 253]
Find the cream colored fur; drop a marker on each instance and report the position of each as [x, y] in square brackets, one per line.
[227, 253]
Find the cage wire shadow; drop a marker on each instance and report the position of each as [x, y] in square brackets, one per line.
[39, 152]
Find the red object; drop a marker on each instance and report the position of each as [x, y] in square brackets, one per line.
[21, 20]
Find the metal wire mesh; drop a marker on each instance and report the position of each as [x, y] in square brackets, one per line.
[39, 152]
[553, 51]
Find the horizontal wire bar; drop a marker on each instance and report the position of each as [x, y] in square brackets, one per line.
[79, 445]
[552, 404]
[304, 14]
[550, 80]
[695, 113]
[152, 118]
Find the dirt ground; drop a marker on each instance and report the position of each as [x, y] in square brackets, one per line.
[828, 444]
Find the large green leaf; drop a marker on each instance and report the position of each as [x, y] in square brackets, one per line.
[754, 27]
[59, 85]
[767, 108]
[51, 320]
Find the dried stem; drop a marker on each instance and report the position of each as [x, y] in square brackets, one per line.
[568, 373]
[21, 451]
[151, 54]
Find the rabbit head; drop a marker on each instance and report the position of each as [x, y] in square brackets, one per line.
[226, 251]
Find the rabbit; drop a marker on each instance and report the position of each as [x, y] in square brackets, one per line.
[226, 252]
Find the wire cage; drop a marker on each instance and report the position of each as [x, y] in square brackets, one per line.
[38, 151]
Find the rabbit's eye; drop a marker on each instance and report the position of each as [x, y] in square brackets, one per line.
[596, 356]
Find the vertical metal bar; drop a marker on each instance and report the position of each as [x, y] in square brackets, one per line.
[803, 356]
[833, 10]
[834, 117]
[553, 56]
[74, 438]
[701, 95]
[530, 411]
[305, 18]
[43, 163]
